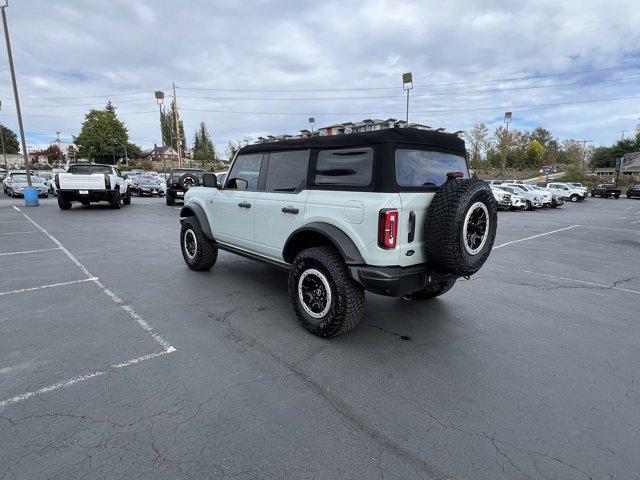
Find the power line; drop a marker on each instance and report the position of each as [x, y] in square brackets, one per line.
[530, 87]
[108, 95]
[501, 107]
[495, 80]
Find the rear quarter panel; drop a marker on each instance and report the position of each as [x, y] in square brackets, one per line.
[356, 214]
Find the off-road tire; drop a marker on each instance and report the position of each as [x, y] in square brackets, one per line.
[432, 291]
[63, 203]
[127, 198]
[206, 252]
[445, 245]
[170, 200]
[347, 297]
[116, 200]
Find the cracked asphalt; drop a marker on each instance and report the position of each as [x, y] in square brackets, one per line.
[529, 370]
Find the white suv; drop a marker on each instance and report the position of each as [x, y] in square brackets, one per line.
[392, 212]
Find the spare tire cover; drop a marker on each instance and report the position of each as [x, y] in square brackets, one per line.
[460, 227]
[188, 180]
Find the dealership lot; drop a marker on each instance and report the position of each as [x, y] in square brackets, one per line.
[116, 361]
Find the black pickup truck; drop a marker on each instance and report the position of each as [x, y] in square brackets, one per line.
[606, 190]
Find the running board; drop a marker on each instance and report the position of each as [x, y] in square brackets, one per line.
[253, 256]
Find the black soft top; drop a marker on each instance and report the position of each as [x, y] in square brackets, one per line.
[407, 136]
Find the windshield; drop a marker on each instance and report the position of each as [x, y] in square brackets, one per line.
[148, 182]
[89, 169]
[416, 168]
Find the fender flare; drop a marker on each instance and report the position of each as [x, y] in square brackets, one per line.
[195, 210]
[337, 237]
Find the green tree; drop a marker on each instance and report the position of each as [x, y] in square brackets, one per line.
[101, 137]
[203, 149]
[11, 144]
[535, 154]
[478, 140]
[168, 127]
[549, 144]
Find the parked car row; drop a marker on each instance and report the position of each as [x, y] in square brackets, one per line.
[518, 195]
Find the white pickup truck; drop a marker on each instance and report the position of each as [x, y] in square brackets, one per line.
[91, 182]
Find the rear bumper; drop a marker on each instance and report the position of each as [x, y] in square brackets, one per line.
[396, 281]
[91, 196]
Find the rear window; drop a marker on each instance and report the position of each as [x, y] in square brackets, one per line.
[89, 169]
[349, 167]
[423, 168]
[179, 173]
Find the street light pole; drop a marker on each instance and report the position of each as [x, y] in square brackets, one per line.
[507, 121]
[176, 119]
[25, 155]
[4, 152]
[159, 99]
[407, 85]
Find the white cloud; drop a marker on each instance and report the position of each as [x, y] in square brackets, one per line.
[94, 48]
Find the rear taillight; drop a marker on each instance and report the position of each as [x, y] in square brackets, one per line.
[388, 229]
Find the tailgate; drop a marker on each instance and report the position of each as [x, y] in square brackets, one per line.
[69, 181]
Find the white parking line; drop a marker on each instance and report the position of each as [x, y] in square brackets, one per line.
[534, 236]
[52, 285]
[166, 346]
[29, 251]
[558, 277]
[612, 228]
[18, 233]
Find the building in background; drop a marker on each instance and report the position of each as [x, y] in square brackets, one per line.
[367, 125]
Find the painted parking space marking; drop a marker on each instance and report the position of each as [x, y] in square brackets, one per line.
[139, 320]
[18, 233]
[52, 285]
[29, 251]
[534, 236]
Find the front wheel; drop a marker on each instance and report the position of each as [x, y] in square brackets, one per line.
[432, 291]
[325, 299]
[575, 198]
[199, 252]
[127, 197]
[529, 205]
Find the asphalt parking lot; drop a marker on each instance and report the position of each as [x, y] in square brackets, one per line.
[116, 361]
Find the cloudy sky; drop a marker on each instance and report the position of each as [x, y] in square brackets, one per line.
[263, 67]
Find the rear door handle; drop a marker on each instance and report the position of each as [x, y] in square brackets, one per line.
[244, 205]
[290, 209]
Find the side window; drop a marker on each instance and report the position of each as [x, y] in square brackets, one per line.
[245, 172]
[287, 171]
[351, 167]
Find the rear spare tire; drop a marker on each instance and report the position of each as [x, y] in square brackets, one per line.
[188, 180]
[460, 227]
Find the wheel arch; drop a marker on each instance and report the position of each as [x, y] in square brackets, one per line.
[319, 234]
[195, 210]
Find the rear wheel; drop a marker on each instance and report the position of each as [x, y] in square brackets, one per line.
[325, 299]
[127, 198]
[575, 197]
[199, 252]
[432, 291]
[116, 200]
[63, 203]
[617, 196]
[170, 200]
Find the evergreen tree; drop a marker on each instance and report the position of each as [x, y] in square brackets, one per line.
[168, 127]
[102, 136]
[11, 144]
[203, 148]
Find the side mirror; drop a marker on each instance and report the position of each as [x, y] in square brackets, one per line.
[238, 184]
[209, 180]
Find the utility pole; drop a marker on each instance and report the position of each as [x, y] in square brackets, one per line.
[4, 153]
[159, 99]
[584, 151]
[176, 119]
[25, 154]
[505, 148]
[407, 85]
[59, 148]
[312, 122]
